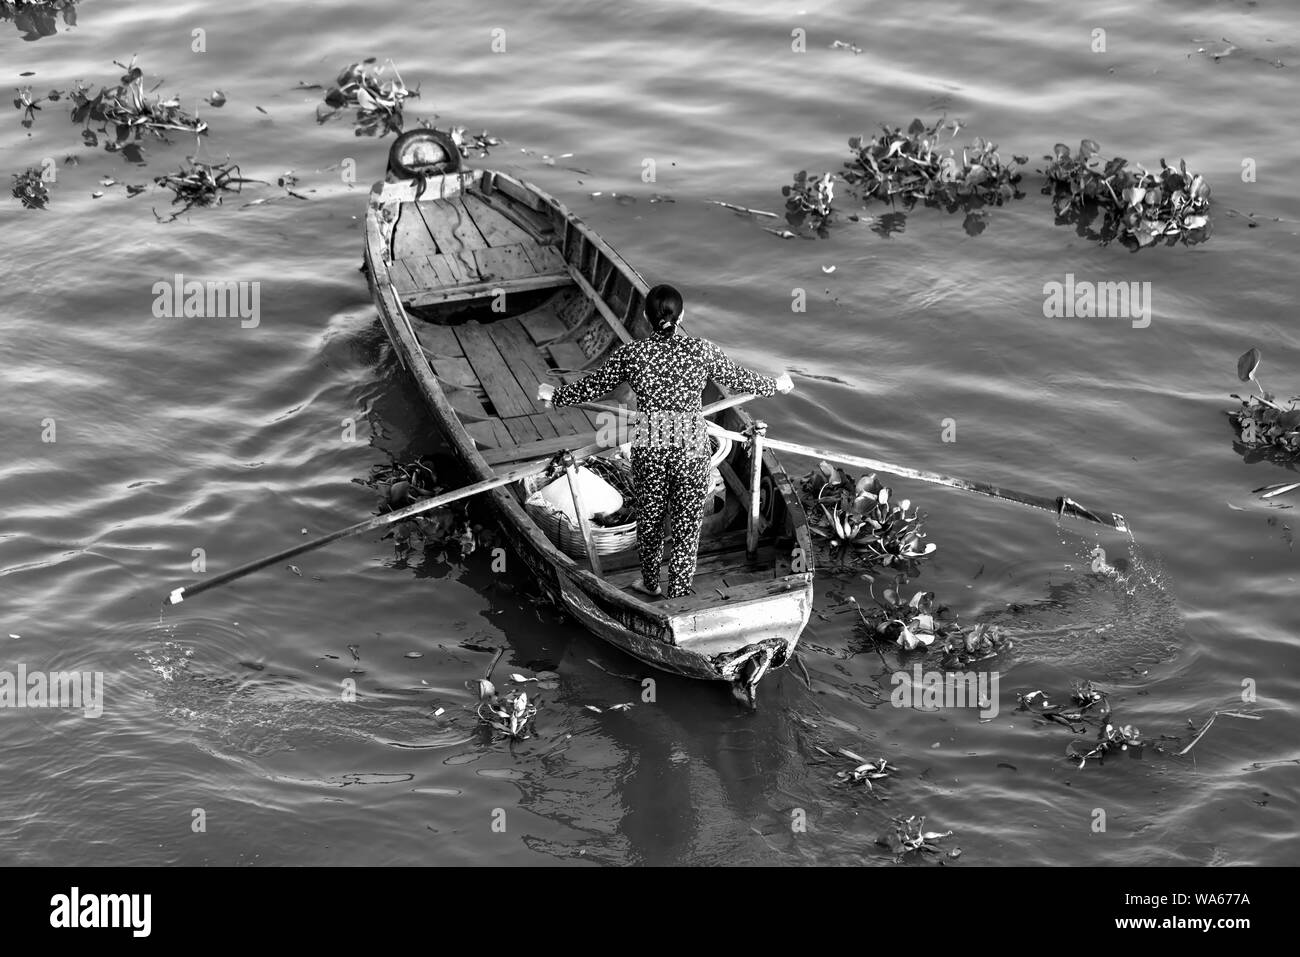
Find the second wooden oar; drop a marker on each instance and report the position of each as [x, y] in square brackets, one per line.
[1062, 505]
[178, 595]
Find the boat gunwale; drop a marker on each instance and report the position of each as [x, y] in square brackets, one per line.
[401, 333]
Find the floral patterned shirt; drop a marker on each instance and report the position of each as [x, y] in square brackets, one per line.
[667, 373]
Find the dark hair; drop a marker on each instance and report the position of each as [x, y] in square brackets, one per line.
[663, 308]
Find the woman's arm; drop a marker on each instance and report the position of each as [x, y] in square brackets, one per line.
[736, 377]
[594, 385]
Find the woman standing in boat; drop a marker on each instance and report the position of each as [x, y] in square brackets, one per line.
[670, 454]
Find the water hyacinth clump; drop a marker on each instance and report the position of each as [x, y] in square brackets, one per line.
[30, 190]
[1138, 207]
[920, 621]
[909, 623]
[1110, 738]
[29, 103]
[376, 92]
[907, 835]
[965, 646]
[860, 521]
[808, 201]
[403, 484]
[916, 166]
[202, 184]
[1265, 426]
[130, 111]
[1263, 423]
[510, 713]
[472, 145]
[1085, 700]
[865, 771]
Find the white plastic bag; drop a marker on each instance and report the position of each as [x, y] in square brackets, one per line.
[598, 496]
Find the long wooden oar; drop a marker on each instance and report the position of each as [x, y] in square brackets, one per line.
[505, 478]
[1062, 505]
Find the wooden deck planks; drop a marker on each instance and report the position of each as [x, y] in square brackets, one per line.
[521, 429]
[484, 290]
[490, 434]
[530, 369]
[438, 340]
[541, 448]
[504, 263]
[503, 390]
[456, 371]
[423, 272]
[496, 228]
[462, 224]
[569, 356]
[410, 234]
[455, 234]
[401, 277]
[546, 259]
[521, 356]
[548, 427]
[542, 326]
[452, 266]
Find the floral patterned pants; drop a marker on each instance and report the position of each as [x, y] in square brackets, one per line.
[670, 483]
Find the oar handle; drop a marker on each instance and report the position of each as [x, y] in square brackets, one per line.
[178, 595]
[730, 401]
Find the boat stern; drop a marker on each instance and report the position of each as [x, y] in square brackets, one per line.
[745, 635]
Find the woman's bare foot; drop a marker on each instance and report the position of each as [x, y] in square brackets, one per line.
[645, 589]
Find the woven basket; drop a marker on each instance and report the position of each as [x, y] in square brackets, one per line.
[618, 538]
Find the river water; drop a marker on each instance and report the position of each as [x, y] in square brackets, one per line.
[224, 738]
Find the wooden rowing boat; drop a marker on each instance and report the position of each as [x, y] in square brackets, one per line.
[487, 286]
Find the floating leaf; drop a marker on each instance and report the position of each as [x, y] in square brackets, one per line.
[1248, 364]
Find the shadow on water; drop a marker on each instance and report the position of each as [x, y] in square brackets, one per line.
[645, 784]
[37, 19]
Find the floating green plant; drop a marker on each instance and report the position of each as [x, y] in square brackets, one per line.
[1087, 703]
[861, 522]
[473, 144]
[510, 713]
[376, 96]
[917, 165]
[1263, 424]
[29, 189]
[908, 835]
[202, 184]
[26, 100]
[130, 111]
[1138, 207]
[808, 201]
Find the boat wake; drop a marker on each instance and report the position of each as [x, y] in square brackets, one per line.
[258, 710]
